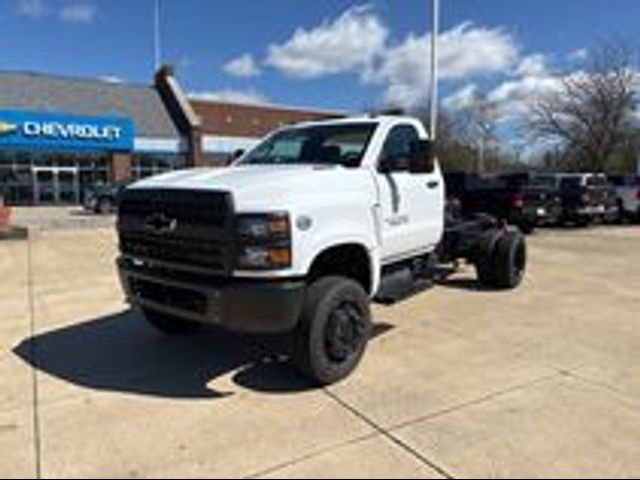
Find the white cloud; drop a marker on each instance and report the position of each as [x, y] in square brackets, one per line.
[31, 8]
[514, 97]
[251, 97]
[578, 55]
[461, 99]
[533, 66]
[349, 43]
[464, 51]
[243, 66]
[111, 79]
[78, 13]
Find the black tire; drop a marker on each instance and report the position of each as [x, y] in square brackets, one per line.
[333, 331]
[510, 260]
[584, 222]
[104, 206]
[527, 227]
[483, 260]
[169, 325]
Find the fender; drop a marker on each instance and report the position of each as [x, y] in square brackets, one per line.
[373, 252]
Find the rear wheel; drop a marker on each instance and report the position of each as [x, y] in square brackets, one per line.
[484, 256]
[168, 324]
[333, 330]
[510, 260]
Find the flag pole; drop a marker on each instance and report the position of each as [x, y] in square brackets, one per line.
[435, 27]
[157, 46]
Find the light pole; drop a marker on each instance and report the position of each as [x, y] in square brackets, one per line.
[157, 45]
[435, 27]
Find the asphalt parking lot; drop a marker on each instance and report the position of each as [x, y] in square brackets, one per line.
[540, 382]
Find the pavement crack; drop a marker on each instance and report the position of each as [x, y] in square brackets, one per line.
[310, 455]
[389, 435]
[471, 403]
[578, 377]
[37, 444]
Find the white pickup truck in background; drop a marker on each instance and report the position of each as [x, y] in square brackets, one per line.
[299, 234]
[628, 193]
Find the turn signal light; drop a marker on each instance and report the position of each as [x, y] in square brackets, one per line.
[279, 256]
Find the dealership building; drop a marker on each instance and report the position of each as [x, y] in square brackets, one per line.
[59, 135]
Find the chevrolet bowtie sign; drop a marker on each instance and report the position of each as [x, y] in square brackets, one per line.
[8, 128]
[66, 132]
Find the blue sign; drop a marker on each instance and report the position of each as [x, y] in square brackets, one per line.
[21, 129]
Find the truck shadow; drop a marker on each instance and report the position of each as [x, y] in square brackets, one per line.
[121, 353]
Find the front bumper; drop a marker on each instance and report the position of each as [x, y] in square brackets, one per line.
[244, 306]
[592, 210]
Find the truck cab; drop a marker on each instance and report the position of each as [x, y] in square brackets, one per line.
[296, 236]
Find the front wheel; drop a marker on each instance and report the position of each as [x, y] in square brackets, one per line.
[527, 227]
[333, 330]
[105, 206]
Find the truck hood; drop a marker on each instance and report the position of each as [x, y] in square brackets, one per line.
[265, 186]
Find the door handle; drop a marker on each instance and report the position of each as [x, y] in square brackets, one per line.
[433, 184]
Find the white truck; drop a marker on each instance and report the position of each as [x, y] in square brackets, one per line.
[299, 234]
[628, 195]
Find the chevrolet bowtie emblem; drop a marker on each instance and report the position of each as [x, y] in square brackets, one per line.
[160, 223]
[8, 128]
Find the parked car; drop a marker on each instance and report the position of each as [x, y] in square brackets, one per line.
[519, 198]
[259, 248]
[586, 198]
[102, 198]
[627, 195]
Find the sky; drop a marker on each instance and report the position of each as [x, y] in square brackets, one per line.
[332, 54]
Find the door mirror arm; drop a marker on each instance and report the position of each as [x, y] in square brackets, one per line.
[385, 165]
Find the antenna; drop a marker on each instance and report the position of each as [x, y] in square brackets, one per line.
[157, 46]
[435, 18]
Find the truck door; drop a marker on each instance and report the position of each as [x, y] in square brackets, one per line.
[411, 206]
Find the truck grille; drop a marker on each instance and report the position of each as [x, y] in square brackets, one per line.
[188, 228]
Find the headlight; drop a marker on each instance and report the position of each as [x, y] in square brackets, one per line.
[256, 227]
[264, 241]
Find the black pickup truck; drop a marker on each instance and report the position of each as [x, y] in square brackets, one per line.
[520, 199]
[102, 198]
[586, 198]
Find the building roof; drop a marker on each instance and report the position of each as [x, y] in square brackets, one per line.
[251, 120]
[77, 96]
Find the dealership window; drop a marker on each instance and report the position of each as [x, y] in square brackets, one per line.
[75, 172]
[146, 165]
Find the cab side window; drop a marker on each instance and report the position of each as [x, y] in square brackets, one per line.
[397, 149]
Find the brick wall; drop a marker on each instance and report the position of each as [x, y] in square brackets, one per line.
[239, 120]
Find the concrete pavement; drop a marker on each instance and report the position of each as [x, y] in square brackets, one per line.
[540, 382]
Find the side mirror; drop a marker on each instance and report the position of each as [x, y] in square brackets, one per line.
[233, 157]
[423, 157]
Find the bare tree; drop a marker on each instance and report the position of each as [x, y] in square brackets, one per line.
[478, 121]
[590, 116]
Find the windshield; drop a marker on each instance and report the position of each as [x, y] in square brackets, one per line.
[570, 182]
[546, 181]
[315, 145]
[597, 181]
